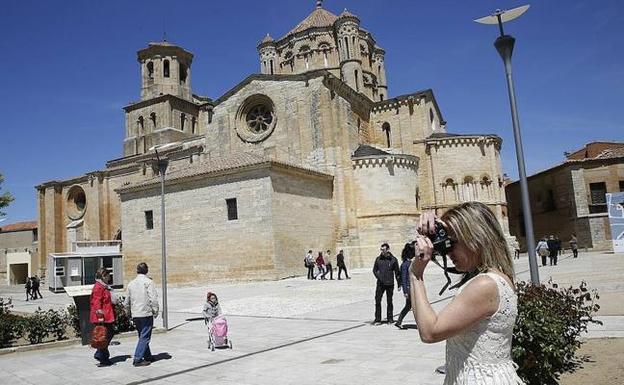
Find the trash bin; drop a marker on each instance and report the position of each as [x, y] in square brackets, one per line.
[81, 295]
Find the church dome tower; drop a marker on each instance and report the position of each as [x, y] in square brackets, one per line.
[347, 34]
[268, 55]
[165, 69]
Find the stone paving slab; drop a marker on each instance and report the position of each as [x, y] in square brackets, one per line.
[285, 332]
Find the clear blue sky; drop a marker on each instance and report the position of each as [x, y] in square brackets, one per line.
[68, 67]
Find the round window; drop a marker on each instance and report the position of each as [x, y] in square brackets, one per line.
[259, 118]
[255, 119]
[76, 202]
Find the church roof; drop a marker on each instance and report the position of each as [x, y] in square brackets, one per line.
[19, 226]
[267, 39]
[219, 166]
[366, 150]
[319, 18]
[346, 13]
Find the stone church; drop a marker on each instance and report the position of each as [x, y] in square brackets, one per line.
[310, 153]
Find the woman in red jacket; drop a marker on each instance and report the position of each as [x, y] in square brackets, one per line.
[102, 312]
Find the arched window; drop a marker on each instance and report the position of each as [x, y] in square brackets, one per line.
[386, 129]
[153, 119]
[182, 121]
[271, 64]
[183, 73]
[357, 80]
[468, 189]
[347, 53]
[486, 187]
[150, 69]
[449, 191]
[140, 125]
[381, 96]
[193, 124]
[166, 68]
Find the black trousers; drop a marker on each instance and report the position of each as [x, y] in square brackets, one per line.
[310, 271]
[543, 260]
[406, 309]
[329, 269]
[553, 257]
[575, 252]
[379, 292]
[342, 268]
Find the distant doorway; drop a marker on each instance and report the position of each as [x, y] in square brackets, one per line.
[90, 265]
[18, 273]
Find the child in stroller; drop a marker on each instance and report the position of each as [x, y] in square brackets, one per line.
[217, 324]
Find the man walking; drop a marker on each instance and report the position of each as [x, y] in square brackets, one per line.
[386, 265]
[574, 245]
[28, 287]
[308, 260]
[552, 249]
[328, 265]
[35, 287]
[341, 264]
[142, 302]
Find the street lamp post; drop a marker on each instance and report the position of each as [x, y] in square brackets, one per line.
[504, 45]
[163, 163]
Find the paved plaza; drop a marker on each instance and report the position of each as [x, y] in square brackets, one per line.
[291, 331]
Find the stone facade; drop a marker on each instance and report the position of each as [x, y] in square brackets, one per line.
[313, 150]
[18, 252]
[569, 198]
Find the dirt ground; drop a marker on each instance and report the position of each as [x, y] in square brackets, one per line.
[604, 367]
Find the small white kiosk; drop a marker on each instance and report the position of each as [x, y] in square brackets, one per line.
[78, 267]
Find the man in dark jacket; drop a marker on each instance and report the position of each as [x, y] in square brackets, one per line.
[386, 269]
[553, 248]
[340, 262]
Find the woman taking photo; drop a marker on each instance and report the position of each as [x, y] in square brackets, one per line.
[478, 323]
[102, 313]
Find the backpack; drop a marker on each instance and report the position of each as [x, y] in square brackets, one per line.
[543, 251]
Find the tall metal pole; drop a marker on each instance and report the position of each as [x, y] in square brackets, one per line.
[504, 45]
[162, 168]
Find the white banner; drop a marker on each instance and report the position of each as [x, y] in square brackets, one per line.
[615, 204]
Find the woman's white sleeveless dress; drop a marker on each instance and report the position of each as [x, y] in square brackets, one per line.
[481, 355]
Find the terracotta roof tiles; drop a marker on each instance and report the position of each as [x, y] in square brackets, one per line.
[19, 226]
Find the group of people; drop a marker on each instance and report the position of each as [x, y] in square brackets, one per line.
[550, 247]
[323, 264]
[141, 302]
[32, 288]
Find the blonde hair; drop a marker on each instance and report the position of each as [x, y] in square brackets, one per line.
[475, 225]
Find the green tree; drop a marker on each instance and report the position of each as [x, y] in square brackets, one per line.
[5, 197]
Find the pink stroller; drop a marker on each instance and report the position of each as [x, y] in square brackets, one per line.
[218, 333]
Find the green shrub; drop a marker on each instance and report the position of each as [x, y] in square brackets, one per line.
[74, 319]
[37, 327]
[123, 321]
[9, 328]
[546, 335]
[58, 322]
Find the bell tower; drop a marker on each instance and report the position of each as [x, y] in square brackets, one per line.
[165, 69]
[347, 34]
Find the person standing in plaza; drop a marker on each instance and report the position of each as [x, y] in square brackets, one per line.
[28, 286]
[385, 269]
[574, 245]
[320, 263]
[309, 263]
[36, 283]
[102, 312]
[142, 303]
[340, 262]
[552, 250]
[542, 250]
[328, 265]
[406, 257]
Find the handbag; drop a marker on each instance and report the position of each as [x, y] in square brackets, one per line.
[99, 337]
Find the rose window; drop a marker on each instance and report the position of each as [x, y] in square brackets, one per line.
[259, 118]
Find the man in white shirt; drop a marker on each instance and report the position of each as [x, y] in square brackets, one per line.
[142, 303]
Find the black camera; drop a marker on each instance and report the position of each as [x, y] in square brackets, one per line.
[441, 242]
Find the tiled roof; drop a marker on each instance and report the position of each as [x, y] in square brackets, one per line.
[19, 226]
[366, 150]
[346, 13]
[317, 19]
[215, 166]
[611, 153]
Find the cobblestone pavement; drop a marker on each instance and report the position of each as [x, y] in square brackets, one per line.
[288, 331]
